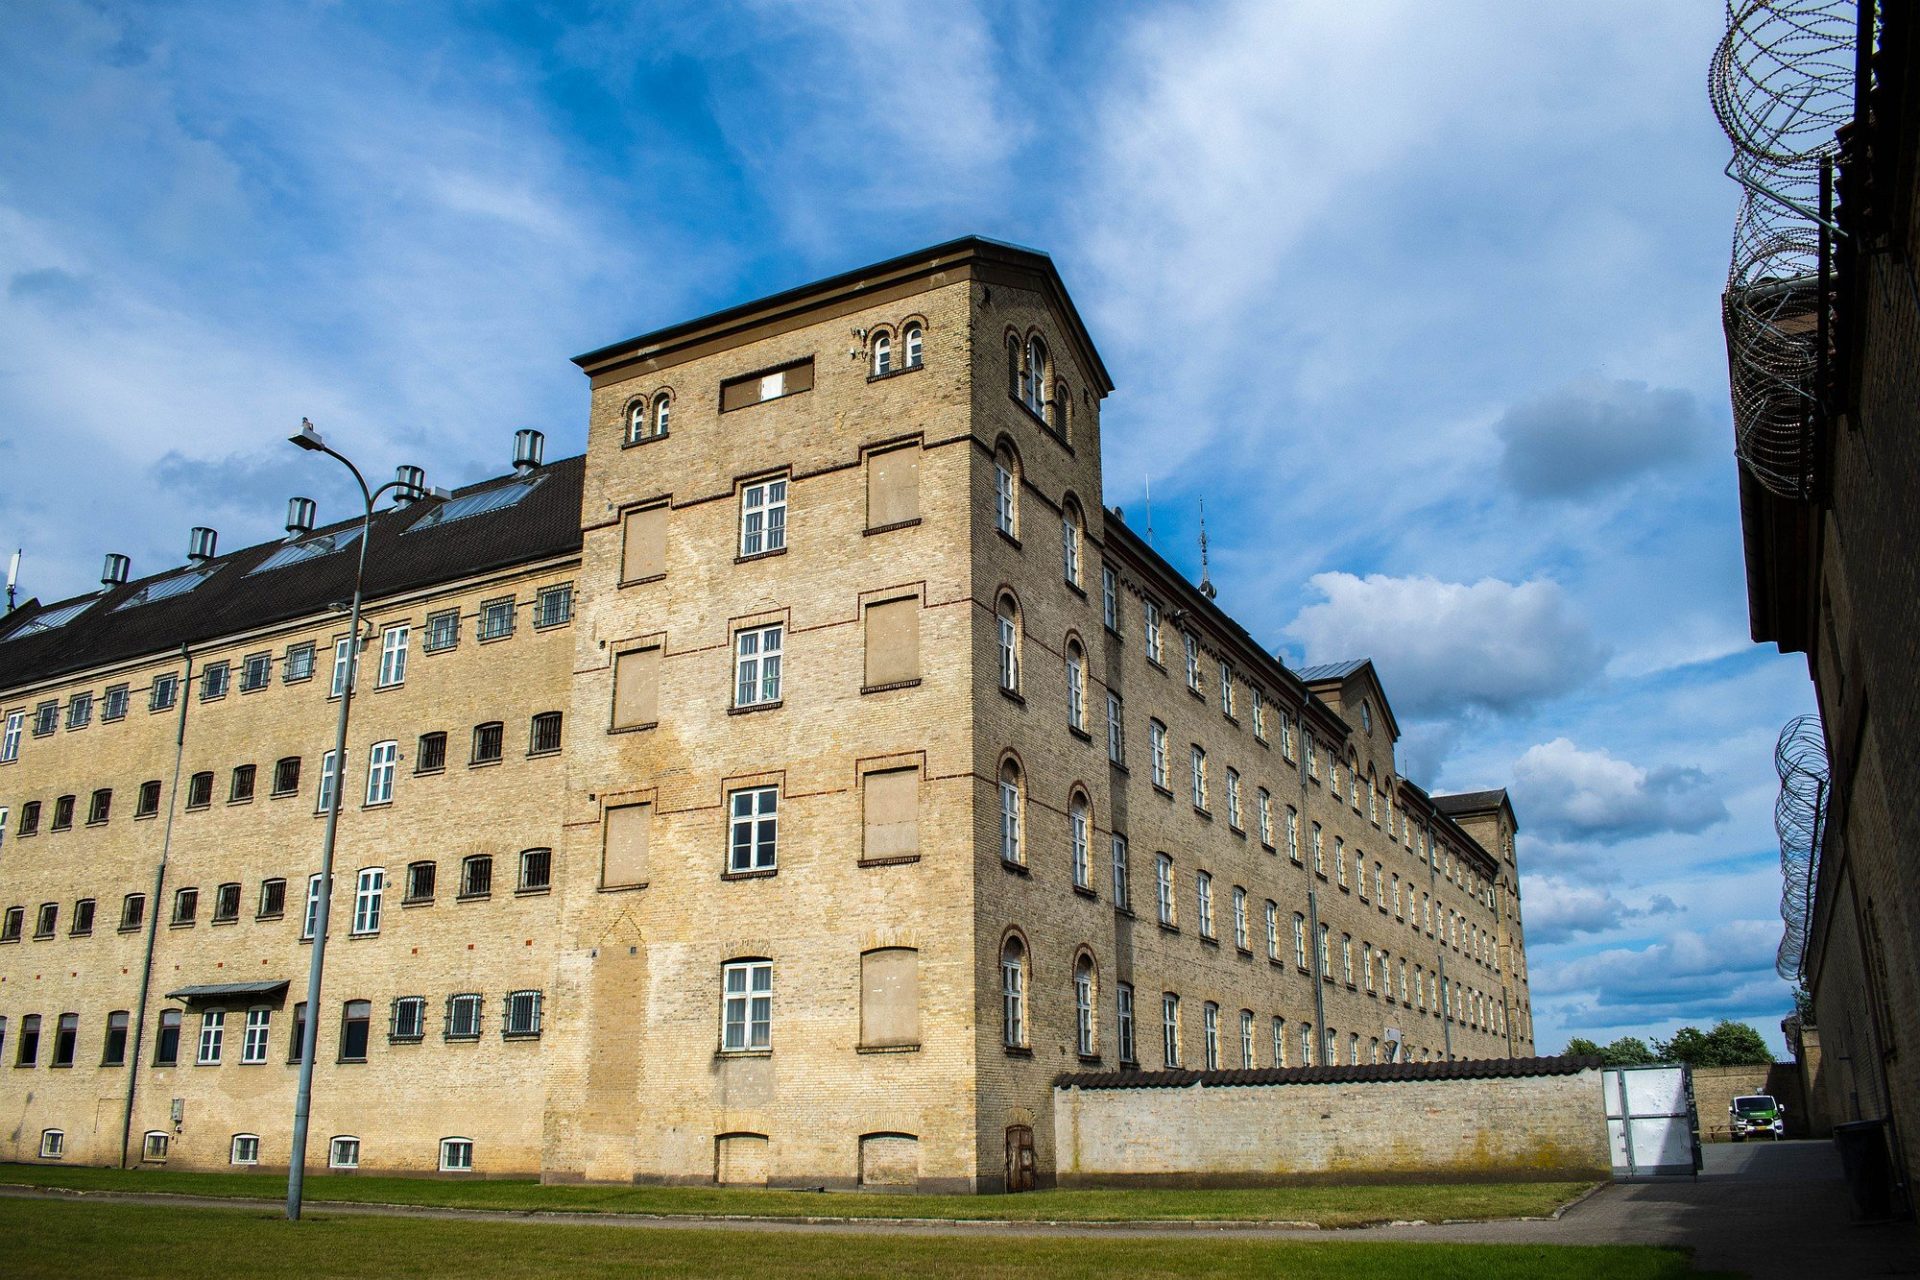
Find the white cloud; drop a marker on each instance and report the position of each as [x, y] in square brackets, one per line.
[1559, 909]
[1568, 791]
[1689, 975]
[1446, 646]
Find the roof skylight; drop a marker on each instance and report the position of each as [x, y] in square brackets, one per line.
[310, 549]
[48, 619]
[483, 503]
[166, 588]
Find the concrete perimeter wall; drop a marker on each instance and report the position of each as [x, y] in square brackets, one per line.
[1543, 1127]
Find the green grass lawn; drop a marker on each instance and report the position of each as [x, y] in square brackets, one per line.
[65, 1238]
[1329, 1206]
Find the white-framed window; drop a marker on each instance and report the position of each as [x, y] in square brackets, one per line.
[1013, 993]
[463, 1016]
[1193, 660]
[1259, 714]
[10, 740]
[380, 765]
[1210, 1025]
[343, 1153]
[1273, 931]
[1163, 887]
[369, 888]
[1299, 940]
[1306, 1044]
[747, 1006]
[1116, 729]
[1012, 846]
[763, 517]
[443, 630]
[662, 413]
[1083, 997]
[1233, 798]
[1122, 890]
[1326, 951]
[53, 1144]
[1151, 613]
[1246, 1039]
[213, 1025]
[1279, 1042]
[342, 655]
[245, 1149]
[1170, 1028]
[1226, 689]
[456, 1155]
[1005, 484]
[153, 1146]
[1070, 546]
[393, 656]
[1240, 918]
[253, 1041]
[1009, 621]
[310, 922]
[1346, 958]
[1157, 749]
[1332, 1047]
[1366, 965]
[1080, 829]
[329, 775]
[1198, 760]
[753, 843]
[1110, 598]
[1266, 818]
[521, 1017]
[1076, 686]
[1340, 861]
[882, 355]
[1319, 852]
[1123, 1020]
[1203, 896]
[757, 652]
[911, 345]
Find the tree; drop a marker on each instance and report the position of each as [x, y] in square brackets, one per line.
[1581, 1047]
[1729, 1044]
[1627, 1051]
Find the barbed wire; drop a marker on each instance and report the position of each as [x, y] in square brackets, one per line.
[1800, 758]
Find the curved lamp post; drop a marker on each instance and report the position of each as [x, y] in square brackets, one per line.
[408, 485]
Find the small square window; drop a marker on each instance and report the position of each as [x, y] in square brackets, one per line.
[240, 789]
[409, 1025]
[456, 1155]
[443, 630]
[273, 899]
[343, 1153]
[256, 672]
[463, 1016]
[286, 776]
[298, 664]
[431, 755]
[496, 619]
[487, 742]
[213, 681]
[246, 1149]
[420, 876]
[522, 1017]
[53, 1144]
[553, 606]
[115, 705]
[226, 903]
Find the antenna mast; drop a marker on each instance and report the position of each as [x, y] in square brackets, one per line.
[1206, 581]
[13, 577]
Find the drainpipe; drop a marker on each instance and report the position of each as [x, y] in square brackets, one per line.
[1446, 992]
[1313, 902]
[137, 1040]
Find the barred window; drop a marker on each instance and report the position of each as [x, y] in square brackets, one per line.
[298, 664]
[99, 806]
[256, 671]
[463, 1016]
[536, 870]
[456, 1155]
[240, 786]
[487, 742]
[286, 775]
[443, 630]
[431, 755]
[408, 1024]
[200, 790]
[273, 899]
[186, 903]
[115, 707]
[476, 876]
[544, 738]
[226, 902]
[496, 619]
[419, 882]
[553, 606]
[521, 1021]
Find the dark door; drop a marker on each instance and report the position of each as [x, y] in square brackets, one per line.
[1019, 1157]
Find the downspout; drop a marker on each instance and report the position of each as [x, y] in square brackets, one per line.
[137, 1045]
[1446, 992]
[1313, 901]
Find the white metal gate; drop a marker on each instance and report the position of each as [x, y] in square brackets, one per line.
[1651, 1124]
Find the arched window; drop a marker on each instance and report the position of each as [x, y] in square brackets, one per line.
[1012, 847]
[1006, 489]
[1080, 836]
[1013, 990]
[1014, 369]
[1084, 1004]
[1062, 409]
[1070, 540]
[662, 413]
[636, 421]
[910, 341]
[1076, 686]
[1210, 1027]
[1246, 1039]
[882, 354]
[1299, 940]
[1009, 623]
[1036, 377]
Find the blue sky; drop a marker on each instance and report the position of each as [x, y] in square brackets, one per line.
[1421, 299]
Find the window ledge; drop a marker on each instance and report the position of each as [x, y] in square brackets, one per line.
[271, 915]
[1017, 868]
[1118, 766]
[1012, 695]
[757, 874]
[1203, 813]
[218, 921]
[1085, 892]
[536, 892]
[634, 442]
[519, 1035]
[1263, 742]
[1123, 911]
[125, 928]
[1008, 538]
[405, 1039]
[1156, 664]
[1017, 1050]
[752, 707]
[423, 773]
[641, 582]
[1074, 587]
[415, 902]
[1245, 951]
[760, 555]
[1165, 791]
[382, 804]
[1168, 928]
[902, 371]
[889, 528]
[1208, 939]
[724, 1054]
[542, 755]
[481, 764]
[1236, 828]
[230, 803]
[634, 728]
[504, 635]
[1089, 1059]
[897, 860]
[181, 924]
[886, 1048]
[97, 823]
[891, 685]
[473, 897]
[1081, 734]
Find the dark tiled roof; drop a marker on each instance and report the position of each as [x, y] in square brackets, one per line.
[1331, 670]
[231, 599]
[1469, 802]
[1370, 1073]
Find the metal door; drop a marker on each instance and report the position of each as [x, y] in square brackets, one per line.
[1651, 1125]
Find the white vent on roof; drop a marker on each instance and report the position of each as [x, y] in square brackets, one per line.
[529, 449]
[299, 517]
[114, 572]
[201, 543]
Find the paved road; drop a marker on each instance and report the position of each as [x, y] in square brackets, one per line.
[1772, 1211]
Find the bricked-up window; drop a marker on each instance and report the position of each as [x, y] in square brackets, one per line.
[47, 920]
[746, 1006]
[226, 903]
[30, 818]
[1013, 845]
[636, 688]
[891, 826]
[80, 711]
[893, 642]
[133, 911]
[186, 905]
[463, 1016]
[430, 755]
[407, 1023]
[476, 876]
[63, 811]
[200, 790]
[763, 517]
[113, 1053]
[419, 886]
[1170, 1028]
[46, 718]
[273, 899]
[643, 544]
[286, 776]
[757, 654]
[553, 606]
[82, 924]
[1013, 993]
[356, 1017]
[521, 1019]
[443, 631]
[623, 852]
[1006, 491]
[1123, 1022]
[488, 740]
[753, 829]
[11, 924]
[893, 487]
[496, 619]
[256, 672]
[99, 806]
[768, 384]
[536, 870]
[213, 681]
[889, 998]
[543, 738]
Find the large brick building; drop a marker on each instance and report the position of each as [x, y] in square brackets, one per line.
[788, 790]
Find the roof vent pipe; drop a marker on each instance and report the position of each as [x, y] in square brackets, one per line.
[200, 544]
[114, 572]
[529, 448]
[299, 517]
[410, 483]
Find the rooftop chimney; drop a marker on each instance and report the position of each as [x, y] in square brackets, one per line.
[114, 572]
[412, 484]
[299, 517]
[200, 544]
[529, 447]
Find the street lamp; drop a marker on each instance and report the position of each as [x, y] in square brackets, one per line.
[409, 485]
